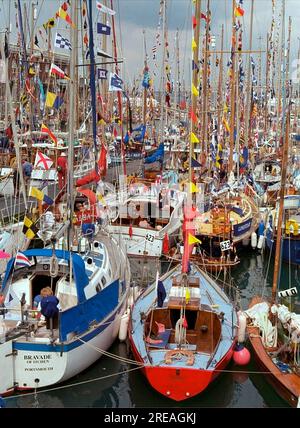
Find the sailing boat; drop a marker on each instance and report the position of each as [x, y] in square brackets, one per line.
[273, 329]
[91, 281]
[183, 331]
[183, 328]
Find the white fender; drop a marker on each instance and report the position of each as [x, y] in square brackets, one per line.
[253, 240]
[242, 319]
[260, 242]
[133, 295]
[124, 325]
[2, 331]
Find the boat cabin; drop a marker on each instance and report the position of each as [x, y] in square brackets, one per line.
[199, 327]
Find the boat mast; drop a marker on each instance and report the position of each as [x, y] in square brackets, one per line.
[145, 89]
[195, 68]
[281, 58]
[220, 83]
[72, 86]
[232, 100]
[119, 93]
[267, 84]
[6, 86]
[176, 103]
[205, 83]
[249, 80]
[163, 80]
[92, 76]
[13, 125]
[285, 133]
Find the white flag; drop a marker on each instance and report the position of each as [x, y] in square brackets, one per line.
[105, 9]
[42, 161]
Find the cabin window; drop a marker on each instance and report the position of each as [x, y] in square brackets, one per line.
[98, 288]
[103, 280]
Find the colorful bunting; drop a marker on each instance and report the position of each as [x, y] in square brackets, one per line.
[193, 188]
[63, 15]
[239, 11]
[104, 9]
[46, 130]
[29, 228]
[195, 91]
[193, 240]
[194, 138]
[55, 70]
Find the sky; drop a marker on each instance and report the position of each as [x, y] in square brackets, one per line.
[134, 16]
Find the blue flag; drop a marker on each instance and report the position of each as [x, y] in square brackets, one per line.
[161, 294]
[195, 163]
[103, 29]
[102, 74]
[141, 136]
[115, 83]
[58, 102]
[157, 156]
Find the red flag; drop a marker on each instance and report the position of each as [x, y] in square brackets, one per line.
[194, 22]
[165, 247]
[102, 162]
[182, 105]
[184, 324]
[130, 232]
[188, 228]
[64, 6]
[115, 133]
[193, 116]
[86, 40]
[9, 132]
[46, 130]
[204, 16]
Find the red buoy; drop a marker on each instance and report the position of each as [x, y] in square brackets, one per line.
[241, 355]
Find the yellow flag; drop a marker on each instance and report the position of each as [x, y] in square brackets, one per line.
[36, 193]
[225, 109]
[193, 240]
[226, 124]
[193, 188]
[194, 138]
[194, 44]
[195, 91]
[50, 99]
[187, 295]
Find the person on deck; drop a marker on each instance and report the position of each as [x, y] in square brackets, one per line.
[27, 170]
[62, 170]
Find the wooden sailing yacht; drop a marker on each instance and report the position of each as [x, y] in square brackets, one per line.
[183, 327]
[273, 329]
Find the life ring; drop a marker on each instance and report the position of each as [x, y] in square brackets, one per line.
[178, 353]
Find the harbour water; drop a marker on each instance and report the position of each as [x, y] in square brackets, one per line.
[114, 383]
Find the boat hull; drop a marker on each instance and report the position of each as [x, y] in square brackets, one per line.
[55, 364]
[180, 383]
[286, 385]
[290, 248]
